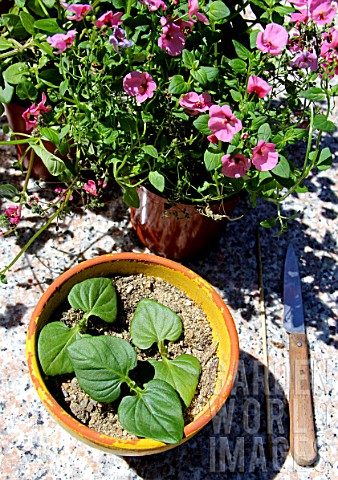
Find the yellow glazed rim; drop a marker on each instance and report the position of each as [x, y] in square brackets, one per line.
[219, 317]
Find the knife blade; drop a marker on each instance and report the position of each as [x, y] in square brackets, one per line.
[302, 432]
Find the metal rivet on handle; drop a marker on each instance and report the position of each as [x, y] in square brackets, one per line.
[299, 344]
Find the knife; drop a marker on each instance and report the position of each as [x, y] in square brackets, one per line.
[302, 432]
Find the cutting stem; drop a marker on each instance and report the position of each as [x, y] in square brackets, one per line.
[265, 349]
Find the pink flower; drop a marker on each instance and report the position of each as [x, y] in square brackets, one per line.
[305, 60]
[33, 201]
[322, 12]
[29, 118]
[193, 10]
[213, 139]
[139, 85]
[172, 39]
[236, 166]
[330, 41]
[154, 5]
[195, 103]
[223, 123]
[62, 190]
[329, 52]
[110, 19]
[80, 10]
[34, 112]
[299, 3]
[300, 17]
[185, 26]
[296, 43]
[264, 156]
[273, 39]
[102, 183]
[90, 187]
[258, 85]
[62, 41]
[13, 213]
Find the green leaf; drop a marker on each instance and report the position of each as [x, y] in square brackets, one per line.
[217, 11]
[63, 87]
[264, 132]
[131, 198]
[201, 123]
[150, 150]
[238, 65]
[320, 122]
[109, 135]
[157, 180]
[127, 123]
[258, 120]
[211, 72]
[101, 365]
[147, 117]
[26, 89]
[182, 374]
[64, 131]
[283, 10]
[53, 343]
[5, 44]
[325, 159]
[153, 323]
[182, 115]
[51, 77]
[95, 296]
[178, 85]
[35, 6]
[27, 21]
[118, 3]
[188, 59]
[282, 169]
[269, 222]
[54, 164]
[242, 52]
[50, 134]
[301, 188]
[253, 38]
[49, 25]
[200, 76]
[236, 95]
[316, 94]
[212, 158]
[8, 191]
[16, 73]
[46, 48]
[154, 413]
[49, 3]
[6, 93]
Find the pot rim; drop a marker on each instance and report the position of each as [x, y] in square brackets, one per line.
[81, 430]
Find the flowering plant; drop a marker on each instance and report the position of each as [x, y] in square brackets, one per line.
[198, 100]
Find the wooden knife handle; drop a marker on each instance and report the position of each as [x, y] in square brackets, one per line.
[302, 432]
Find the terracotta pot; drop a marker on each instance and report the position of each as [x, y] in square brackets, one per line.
[17, 124]
[177, 231]
[221, 322]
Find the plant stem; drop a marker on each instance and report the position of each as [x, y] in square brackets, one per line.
[35, 236]
[306, 169]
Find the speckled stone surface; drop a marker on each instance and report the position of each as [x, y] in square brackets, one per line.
[233, 445]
